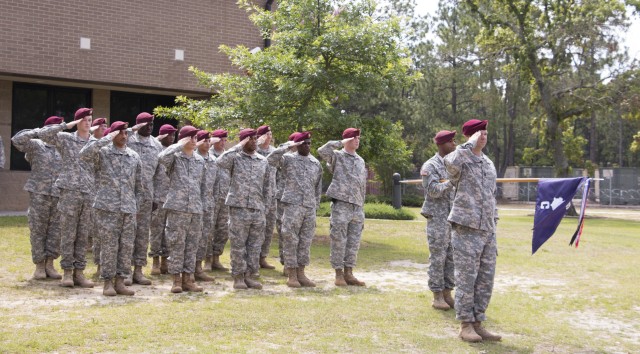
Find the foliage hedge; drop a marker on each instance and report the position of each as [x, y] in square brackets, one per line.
[408, 200]
[373, 211]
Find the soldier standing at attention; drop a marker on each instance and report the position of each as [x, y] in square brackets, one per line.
[302, 174]
[264, 148]
[98, 127]
[74, 180]
[279, 187]
[473, 220]
[438, 195]
[157, 242]
[221, 210]
[119, 189]
[248, 198]
[208, 202]
[44, 218]
[347, 190]
[186, 171]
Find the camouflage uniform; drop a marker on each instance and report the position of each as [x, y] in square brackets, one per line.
[249, 193]
[184, 207]
[157, 241]
[302, 174]
[347, 190]
[208, 205]
[270, 210]
[74, 180]
[44, 219]
[220, 212]
[119, 190]
[1, 153]
[473, 217]
[437, 205]
[148, 149]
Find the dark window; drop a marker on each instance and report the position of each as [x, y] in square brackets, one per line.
[32, 104]
[126, 106]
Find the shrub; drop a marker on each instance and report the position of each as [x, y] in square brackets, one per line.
[374, 211]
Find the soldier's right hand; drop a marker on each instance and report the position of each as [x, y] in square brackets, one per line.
[161, 136]
[93, 129]
[184, 140]
[473, 140]
[344, 141]
[137, 127]
[244, 141]
[291, 144]
[214, 140]
[113, 134]
[74, 123]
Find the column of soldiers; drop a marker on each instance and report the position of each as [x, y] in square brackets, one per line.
[183, 201]
[460, 207]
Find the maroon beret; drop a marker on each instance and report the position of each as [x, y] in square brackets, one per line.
[202, 134]
[53, 120]
[167, 129]
[220, 133]
[99, 121]
[473, 126]
[302, 137]
[83, 112]
[444, 136]
[118, 125]
[350, 133]
[144, 117]
[293, 136]
[107, 131]
[244, 133]
[187, 131]
[264, 130]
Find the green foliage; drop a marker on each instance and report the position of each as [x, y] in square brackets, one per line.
[373, 211]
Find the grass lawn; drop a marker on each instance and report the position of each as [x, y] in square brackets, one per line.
[560, 300]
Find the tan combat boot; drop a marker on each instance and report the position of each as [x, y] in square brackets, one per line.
[177, 284]
[264, 264]
[164, 265]
[207, 263]
[251, 283]
[446, 294]
[40, 272]
[188, 284]
[139, 278]
[51, 270]
[340, 278]
[486, 335]
[200, 274]
[121, 288]
[79, 279]
[67, 279]
[155, 266]
[97, 274]
[438, 302]
[216, 265]
[468, 334]
[238, 282]
[303, 280]
[293, 282]
[108, 289]
[350, 279]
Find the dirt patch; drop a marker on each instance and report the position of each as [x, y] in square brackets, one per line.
[599, 325]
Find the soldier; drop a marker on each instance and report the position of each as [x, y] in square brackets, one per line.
[264, 148]
[1, 153]
[347, 191]
[473, 219]
[208, 203]
[74, 180]
[148, 149]
[438, 195]
[119, 189]
[98, 127]
[221, 210]
[44, 218]
[302, 173]
[157, 241]
[186, 171]
[249, 192]
[279, 186]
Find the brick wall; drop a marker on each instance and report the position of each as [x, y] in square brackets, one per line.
[132, 42]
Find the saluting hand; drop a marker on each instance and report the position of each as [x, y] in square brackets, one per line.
[74, 123]
[214, 140]
[244, 141]
[93, 129]
[200, 142]
[137, 127]
[113, 134]
[261, 139]
[291, 144]
[345, 141]
[184, 140]
[161, 136]
[473, 140]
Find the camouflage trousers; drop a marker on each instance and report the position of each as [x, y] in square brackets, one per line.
[157, 240]
[345, 227]
[74, 208]
[116, 235]
[474, 256]
[246, 233]
[270, 223]
[279, 212]
[220, 229]
[207, 235]
[44, 226]
[143, 225]
[440, 254]
[183, 233]
[298, 229]
[94, 237]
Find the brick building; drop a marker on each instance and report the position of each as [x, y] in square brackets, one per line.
[119, 57]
